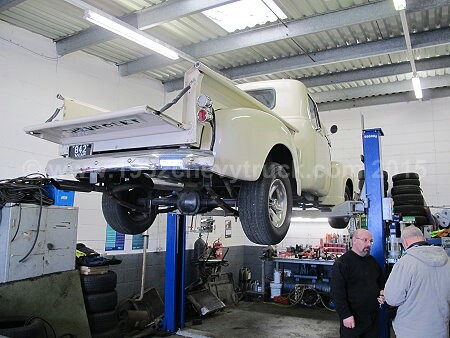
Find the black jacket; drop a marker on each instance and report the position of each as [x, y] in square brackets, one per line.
[355, 285]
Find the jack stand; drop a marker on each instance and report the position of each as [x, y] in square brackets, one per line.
[374, 182]
[175, 268]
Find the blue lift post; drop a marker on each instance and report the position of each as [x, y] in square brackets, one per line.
[374, 182]
[175, 267]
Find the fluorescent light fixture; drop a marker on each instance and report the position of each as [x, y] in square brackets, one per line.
[129, 32]
[400, 4]
[309, 220]
[417, 87]
[245, 13]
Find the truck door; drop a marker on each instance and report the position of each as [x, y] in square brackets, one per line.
[322, 169]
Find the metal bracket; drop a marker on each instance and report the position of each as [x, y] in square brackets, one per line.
[346, 209]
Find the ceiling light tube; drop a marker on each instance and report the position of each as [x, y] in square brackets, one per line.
[129, 32]
[400, 4]
[417, 87]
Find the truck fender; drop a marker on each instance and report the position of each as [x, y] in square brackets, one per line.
[244, 139]
[341, 175]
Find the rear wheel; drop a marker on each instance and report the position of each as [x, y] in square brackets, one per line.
[265, 205]
[124, 219]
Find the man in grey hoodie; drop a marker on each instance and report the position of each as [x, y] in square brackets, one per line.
[419, 285]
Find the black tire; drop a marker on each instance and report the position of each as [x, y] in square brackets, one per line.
[405, 176]
[341, 222]
[409, 181]
[405, 189]
[102, 322]
[105, 282]
[22, 327]
[254, 205]
[361, 175]
[100, 302]
[421, 220]
[114, 333]
[123, 219]
[410, 210]
[409, 199]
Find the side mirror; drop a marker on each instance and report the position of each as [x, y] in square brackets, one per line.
[333, 129]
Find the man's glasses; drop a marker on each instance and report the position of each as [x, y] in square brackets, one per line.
[365, 240]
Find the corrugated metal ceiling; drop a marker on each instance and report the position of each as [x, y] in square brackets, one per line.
[57, 19]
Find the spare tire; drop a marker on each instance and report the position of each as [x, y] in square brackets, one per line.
[125, 220]
[99, 283]
[410, 210]
[22, 327]
[409, 199]
[409, 181]
[405, 176]
[405, 189]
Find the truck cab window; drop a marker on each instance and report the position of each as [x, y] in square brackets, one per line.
[313, 114]
[266, 96]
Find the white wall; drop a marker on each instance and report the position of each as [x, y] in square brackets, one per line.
[31, 75]
[417, 138]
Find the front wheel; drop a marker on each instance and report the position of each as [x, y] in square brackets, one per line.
[341, 222]
[265, 205]
[125, 220]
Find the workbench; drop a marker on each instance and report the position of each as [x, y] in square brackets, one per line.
[316, 272]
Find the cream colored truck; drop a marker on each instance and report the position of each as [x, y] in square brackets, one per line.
[256, 151]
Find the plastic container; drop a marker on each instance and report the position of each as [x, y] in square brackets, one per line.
[276, 276]
[275, 290]
[60, 197]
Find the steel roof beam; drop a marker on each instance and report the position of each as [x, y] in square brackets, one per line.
[428, 94]
[376, 72]
[152, 16]
[7, 4]
[343, 54]
[380, 89]
[364, 50]
[276, 32]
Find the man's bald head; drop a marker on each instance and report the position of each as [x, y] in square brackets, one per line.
[361, 232]
[362, 242]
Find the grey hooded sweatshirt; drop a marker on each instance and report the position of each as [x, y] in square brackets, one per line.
[419, 285]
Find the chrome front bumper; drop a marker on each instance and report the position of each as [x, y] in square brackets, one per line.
[157, 159]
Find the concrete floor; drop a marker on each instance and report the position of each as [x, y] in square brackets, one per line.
[253, 319]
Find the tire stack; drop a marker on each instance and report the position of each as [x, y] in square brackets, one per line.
[408, 198]
[361, 180]
[100, 299]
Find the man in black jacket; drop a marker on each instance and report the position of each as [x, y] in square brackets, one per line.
[356, 283]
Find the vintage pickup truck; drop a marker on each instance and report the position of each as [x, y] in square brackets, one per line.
[255, 151]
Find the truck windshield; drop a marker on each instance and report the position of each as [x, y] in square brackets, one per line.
[266, 96]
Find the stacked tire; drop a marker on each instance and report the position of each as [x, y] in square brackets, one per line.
[361, 180]
[408, 198]
[100, 299]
